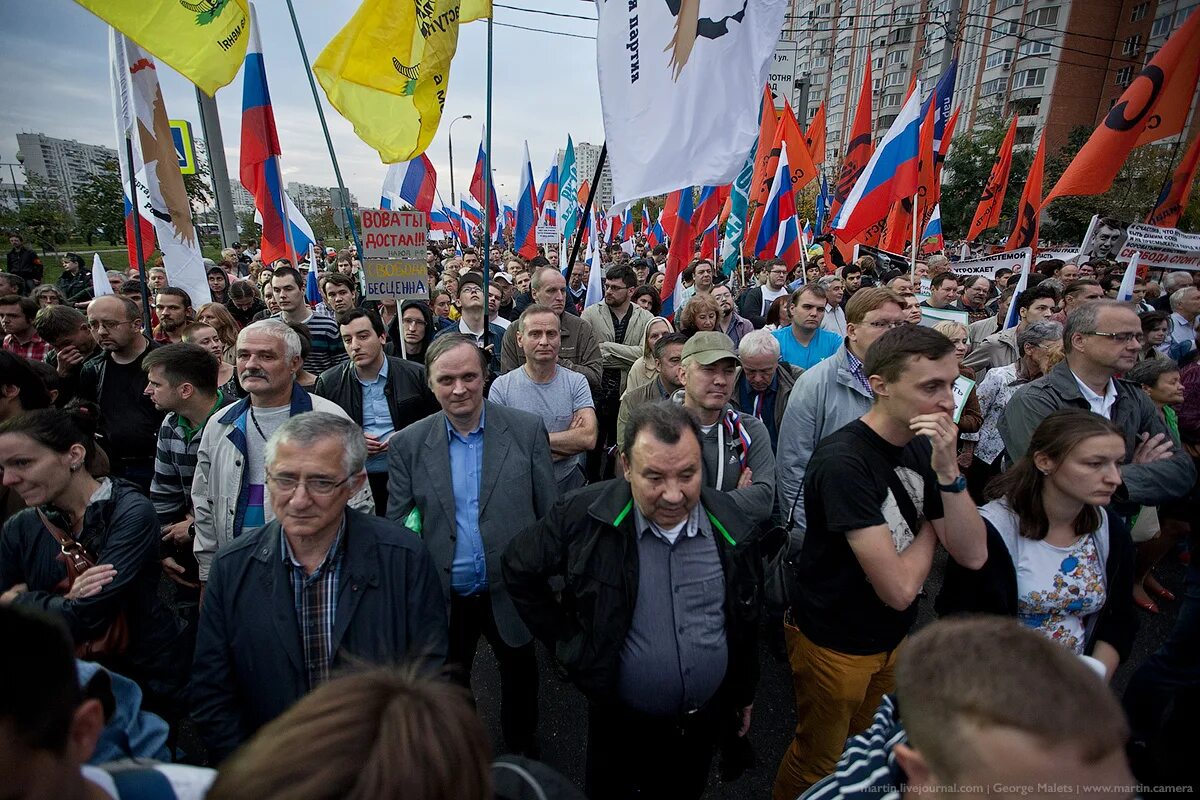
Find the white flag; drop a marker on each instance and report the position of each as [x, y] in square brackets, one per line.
[1125, 292]
[140, 114]
[680, 91]
[100, 284]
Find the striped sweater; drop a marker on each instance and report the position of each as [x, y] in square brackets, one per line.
[867, 769]
[175, 464]
[327, 348]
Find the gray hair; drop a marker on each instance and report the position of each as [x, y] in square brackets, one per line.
[306, 429]
[112, 273]
[273, 326]
[1038, 334]
[829, 280]
[1083, 318]
[666, 421]
[759, 343]
[1179, 295]
[1174, 280]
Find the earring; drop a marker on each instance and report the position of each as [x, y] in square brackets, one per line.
[75, 467]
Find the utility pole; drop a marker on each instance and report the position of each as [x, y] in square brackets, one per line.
[218, 170]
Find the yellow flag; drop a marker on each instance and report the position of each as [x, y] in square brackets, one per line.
[388, 70]
[204, 40]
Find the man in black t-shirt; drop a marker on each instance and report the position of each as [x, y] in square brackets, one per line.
[879, 494]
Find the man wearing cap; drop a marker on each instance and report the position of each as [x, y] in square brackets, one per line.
[507, 309]
[472, 306]
[737, 448]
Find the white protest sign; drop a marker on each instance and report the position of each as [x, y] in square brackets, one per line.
[398, 234]
[402, 280]
[962, 390]
[932, 316]
[988, 265]
[1161, 248]
[545, 234]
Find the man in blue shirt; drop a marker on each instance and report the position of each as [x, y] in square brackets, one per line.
[805, 343]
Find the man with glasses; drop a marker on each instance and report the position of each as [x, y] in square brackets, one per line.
[1103, 339]
[830, 396]
[320, 589]
[758, 299]
[229, 489]
[116, 382]
[620, 327]
[1000, 348]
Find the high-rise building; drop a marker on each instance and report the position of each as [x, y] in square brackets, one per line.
[586, 156]
[1057, 64]
[243, 201]
[64, 163]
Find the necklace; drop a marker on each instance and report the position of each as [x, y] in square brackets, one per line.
[257, 427]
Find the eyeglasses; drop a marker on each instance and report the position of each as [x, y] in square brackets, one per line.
[886, 324]
[1121, 337]
[316, 487]
[107, 325]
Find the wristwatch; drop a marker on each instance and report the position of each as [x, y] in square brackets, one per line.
[957, 486]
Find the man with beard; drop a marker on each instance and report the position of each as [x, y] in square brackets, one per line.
[173, 306]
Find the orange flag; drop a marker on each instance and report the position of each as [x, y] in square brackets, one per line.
[815, 136]
[987, 214]
[1175, 194]
[766, 136]
[948, 134]
[1025, 226]
[927, 188]
[860, 147]
[898, 228]
[1153, 107]
[803, 171]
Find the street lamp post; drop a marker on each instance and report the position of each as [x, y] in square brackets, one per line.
[450, 138]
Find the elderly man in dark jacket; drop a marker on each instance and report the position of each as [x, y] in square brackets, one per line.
[657, 620]
[320, 588]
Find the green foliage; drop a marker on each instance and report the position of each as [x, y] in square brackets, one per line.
[43, 217]
[248, 227]
[966, 172]
[100, 205]
[324, 221]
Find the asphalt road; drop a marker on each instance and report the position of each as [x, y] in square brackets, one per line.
[563, 725]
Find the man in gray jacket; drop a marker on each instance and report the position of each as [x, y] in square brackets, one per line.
[1101, 340]
[830, 396]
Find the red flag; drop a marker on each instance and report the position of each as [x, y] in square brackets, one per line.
[859, 148]
[927, 189]
[670, 212]
[948, 134]
[1154, 106]
[1174, 197]
[987, 214]
[766, 137]
[801, 166]
[898, 228]
[815, 136]
[1025, 226]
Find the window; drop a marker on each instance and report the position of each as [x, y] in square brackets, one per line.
[894, 79]
[1139, 12]
[877, 63]
[993, 87]
[1003, 4]
[903, 14]
[1131, 45]
[896, 57]
[823, 9]
[901, 36]
[1035, 48]
[819, 61]
[1042, 17]
[1000, 59]
[885, 121]
[837, 99]
[875, 83]
[1161, 26]
[1006, 27]
[1028, 78]
[838, 82]
[892, 100]
[1124, 76]
[1024, 135]
[1182, 14]
[1027, 106]
[842, 62]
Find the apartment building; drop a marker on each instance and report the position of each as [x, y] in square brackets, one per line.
[65, 163]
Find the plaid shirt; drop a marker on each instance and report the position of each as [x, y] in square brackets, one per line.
[35, 350]
[856, 369]
[316, 597]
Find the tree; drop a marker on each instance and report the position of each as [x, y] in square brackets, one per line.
[966, 172]
[324, 223]
[43, 217]
[100, 205]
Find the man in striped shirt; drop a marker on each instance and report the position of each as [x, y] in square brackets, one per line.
[327, 348]
[181, 379]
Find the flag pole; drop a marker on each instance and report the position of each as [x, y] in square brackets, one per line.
[137, 234]
[587, 206]
[337, 171]
[487, 195]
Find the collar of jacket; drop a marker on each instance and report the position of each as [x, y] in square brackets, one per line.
[614, 507]
[1062, 380]
[301, 402]
[361, 560]
[844, 376]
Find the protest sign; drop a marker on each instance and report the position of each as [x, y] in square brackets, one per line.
[987, 266]
[1161, 248]
[398, 234]
[401, 280]
[884, 261]
[546, 234]
[962, 390]
[932, 316]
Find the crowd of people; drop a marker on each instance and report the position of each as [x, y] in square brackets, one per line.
[280, 528]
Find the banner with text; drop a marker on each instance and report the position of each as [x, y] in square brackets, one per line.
[399, 280]
[987, 266]
[1161, 248]
[884, 261]
[398, 234]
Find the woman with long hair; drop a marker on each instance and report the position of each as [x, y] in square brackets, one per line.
[1058, 559]
[87, 550]
[1156, 325]
[244, 303]
[205, 335]
[700, 314]
[217, 316]
[645, 369]
[779, 314]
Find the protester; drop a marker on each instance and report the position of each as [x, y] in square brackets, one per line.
[659, 695]
[804, 343]
[975, 298]
[835, 316]
[340, 292]
[173, 308]
[24, 263]
[829, 396]
[473, 320]
[729, 321]
[1041, 344]
[411, 332]
[16, 323]
[1185, 310]
[1102, 339]
[1171, 283]
[1000, 349]
[579, 349]
[1156, 326]
[666, 356]
[970, 417]
[206, 336]
[21, 390]
[985, 702]
[757, 300]
[880, 493]
[1057, 559]
[943, 292]
[75, 282]
[270, 630]
[475, 474]
[647, 298]
[381, 393]
[327, 349]
[218, 284]
[576, 290]
[765, 382]
[86, 550]
[702, 314]
[229, 489]
[244, 303]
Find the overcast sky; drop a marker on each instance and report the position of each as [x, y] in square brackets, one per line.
[54, 63]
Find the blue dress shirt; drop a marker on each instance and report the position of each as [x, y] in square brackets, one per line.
[468, 572]
[377, 417]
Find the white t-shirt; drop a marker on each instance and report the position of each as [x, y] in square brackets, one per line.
[188, 783]
[1057, 587]
[770, 295]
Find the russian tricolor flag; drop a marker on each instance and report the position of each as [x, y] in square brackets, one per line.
[259, 169]
[525, 225]
[547, 198]
[709, 241]
[414, 182]
[779, 233]
[680, 254]
[890, 175]
[931, 239]
[485, 195]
